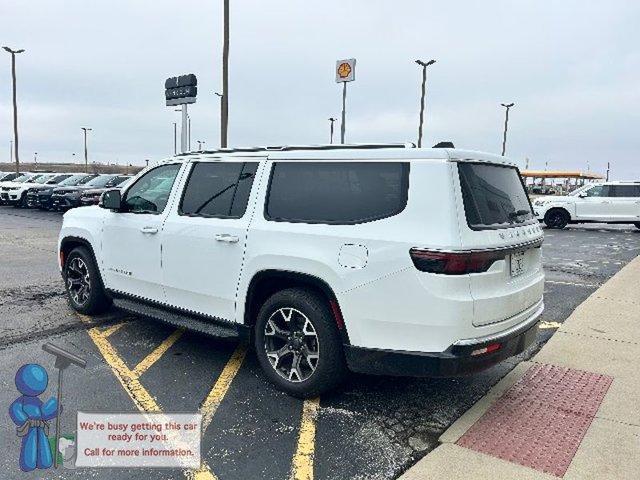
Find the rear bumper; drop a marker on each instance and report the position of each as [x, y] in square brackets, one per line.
[455, 361]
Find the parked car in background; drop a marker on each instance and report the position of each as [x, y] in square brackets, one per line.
[92, 196]
[31, 194]
[15, 193]
[8, 176]
[64, 198]
[608, 202]
[42, 198]
[7, 185]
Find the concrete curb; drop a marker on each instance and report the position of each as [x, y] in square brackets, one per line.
[600, 336]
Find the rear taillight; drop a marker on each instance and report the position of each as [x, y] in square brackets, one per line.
[455, 263]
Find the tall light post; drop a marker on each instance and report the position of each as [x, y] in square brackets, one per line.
[175, 138]
[424, 66]
[15, 104]
[221, 96]
[507, 106]
[35, 159]
[86, 156]
[332, 120]
[224, 99]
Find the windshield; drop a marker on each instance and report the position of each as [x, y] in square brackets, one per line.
[493, 196]
[22, 178]
[57, 179]
[42, 179]
[100, 181]
[73, 180]
[578, 191]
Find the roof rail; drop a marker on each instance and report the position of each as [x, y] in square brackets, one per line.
[291, 148]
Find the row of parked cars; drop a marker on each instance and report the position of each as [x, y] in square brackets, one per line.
[56, 191]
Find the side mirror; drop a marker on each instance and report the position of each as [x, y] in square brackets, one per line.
[582, 195]
[111, 200]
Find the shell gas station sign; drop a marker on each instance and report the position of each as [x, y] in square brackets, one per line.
[346, 70]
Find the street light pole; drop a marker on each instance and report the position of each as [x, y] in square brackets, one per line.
[224, 111]
[35, 159]
[175, 138]
[221, 107]
[86, 156]
[506, 123]
[424, 66]
[331, 119]
[15, 103]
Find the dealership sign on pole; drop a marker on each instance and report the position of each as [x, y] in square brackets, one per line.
[181, 90]
[345, 72]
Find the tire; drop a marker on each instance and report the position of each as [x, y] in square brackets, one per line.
[637, 224]
[83, 284]
[557, 218]
[22, 203]
[317, 341]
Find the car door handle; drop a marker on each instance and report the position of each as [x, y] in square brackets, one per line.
[224, 237]
[150, 230]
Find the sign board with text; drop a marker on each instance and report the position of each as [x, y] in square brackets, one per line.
[181, 90]
[346, 70]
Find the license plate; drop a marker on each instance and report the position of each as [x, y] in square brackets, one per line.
[517, 264]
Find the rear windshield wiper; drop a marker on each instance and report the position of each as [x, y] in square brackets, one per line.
[518, 213]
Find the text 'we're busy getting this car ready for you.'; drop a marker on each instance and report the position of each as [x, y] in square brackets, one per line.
[383, 259]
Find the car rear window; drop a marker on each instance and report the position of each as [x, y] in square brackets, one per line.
[493, 196]
[336, 192]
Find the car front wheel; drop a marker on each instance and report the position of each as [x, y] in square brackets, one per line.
[298, 344]
[83, 283]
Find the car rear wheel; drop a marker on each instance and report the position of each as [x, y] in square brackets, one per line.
[83, 283]
[298, 344]
[637, 224]
[556, 218]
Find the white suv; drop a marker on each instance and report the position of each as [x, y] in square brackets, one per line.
[379, 259]
[608, 202]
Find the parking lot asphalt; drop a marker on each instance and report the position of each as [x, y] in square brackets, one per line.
[374, 427]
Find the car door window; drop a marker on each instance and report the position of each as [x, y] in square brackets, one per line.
[625, 191]
[150, 193]
[219, 190]
[598, 191]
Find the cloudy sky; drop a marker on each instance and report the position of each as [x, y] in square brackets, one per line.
[572, 68]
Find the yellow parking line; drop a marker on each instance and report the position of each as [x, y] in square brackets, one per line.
[107, 332]
[140, 396]
[160, 350]
[302, 467]
[549, 325]
[219, 390]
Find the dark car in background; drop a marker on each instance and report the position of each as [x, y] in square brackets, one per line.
[54, 180]
[41, 198]
[92, 196]
[64, 198]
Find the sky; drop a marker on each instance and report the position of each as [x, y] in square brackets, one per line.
[572, 68]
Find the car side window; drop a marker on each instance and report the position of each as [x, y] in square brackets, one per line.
[626, 191]
[150, 193]
[339, 193]
[219, 189]
[598, 191]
